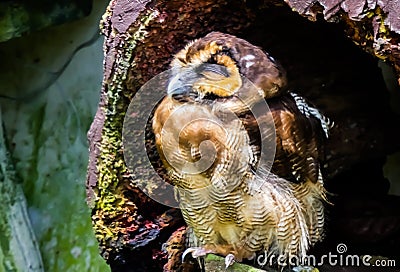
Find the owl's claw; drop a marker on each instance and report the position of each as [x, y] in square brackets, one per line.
[229, 260]
[196, 252]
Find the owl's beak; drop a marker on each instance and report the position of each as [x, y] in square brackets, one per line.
[181, 84]
[183, 80]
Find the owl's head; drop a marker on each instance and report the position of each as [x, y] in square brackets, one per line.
[215, 64]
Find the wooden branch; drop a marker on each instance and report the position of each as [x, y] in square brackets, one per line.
[215, 263]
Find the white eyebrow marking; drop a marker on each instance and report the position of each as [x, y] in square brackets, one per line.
[271, 58]
[249, 57]
[248, 64]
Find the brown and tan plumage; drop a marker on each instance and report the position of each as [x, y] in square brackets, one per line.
[231, 208]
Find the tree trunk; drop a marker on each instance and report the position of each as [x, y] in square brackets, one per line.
[324, 65]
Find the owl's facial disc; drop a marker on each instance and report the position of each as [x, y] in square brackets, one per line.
[213, 71]
[205, 79]
[189, 79]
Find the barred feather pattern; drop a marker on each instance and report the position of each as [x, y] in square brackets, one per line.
[230, 208]
[270, 214]
[312, 197]
[308, 110]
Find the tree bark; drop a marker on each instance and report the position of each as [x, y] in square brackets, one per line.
[141, 37]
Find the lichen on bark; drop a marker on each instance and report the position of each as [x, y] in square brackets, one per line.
[109, 201]
[136, 48]
[141, 39]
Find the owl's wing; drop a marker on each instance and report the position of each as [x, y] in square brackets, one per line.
[300, 133]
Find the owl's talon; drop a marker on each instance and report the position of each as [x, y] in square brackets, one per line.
[229, 260]
[196, 252]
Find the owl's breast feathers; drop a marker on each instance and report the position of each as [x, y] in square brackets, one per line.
[230, 207]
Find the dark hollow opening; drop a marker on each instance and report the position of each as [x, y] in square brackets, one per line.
[347, 85]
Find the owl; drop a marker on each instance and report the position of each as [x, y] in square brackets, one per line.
[210, 130]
